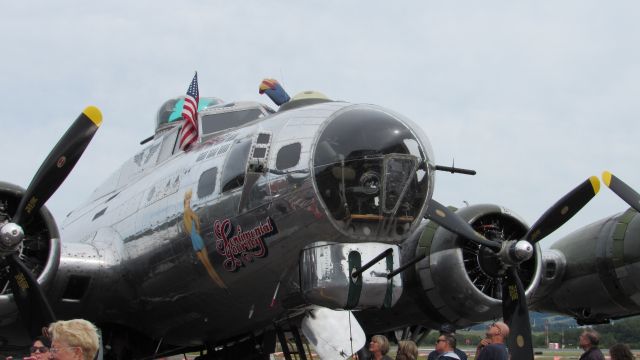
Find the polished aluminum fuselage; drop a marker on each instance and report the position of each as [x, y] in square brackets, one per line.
[127, 258]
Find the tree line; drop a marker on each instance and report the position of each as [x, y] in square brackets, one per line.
[621, 331]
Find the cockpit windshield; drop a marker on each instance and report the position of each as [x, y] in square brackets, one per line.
[171, 111]
[219, 121]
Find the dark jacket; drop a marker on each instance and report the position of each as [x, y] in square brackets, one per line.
[461, 354]
[592, 354]
[449, 356]
[494, 352]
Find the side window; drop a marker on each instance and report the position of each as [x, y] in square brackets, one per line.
[147, 157]
[207, 182]
[233, 172]
[140, 162]
[288, 156]
[176, 143]
[168, 144]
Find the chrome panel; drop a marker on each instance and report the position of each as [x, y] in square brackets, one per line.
[326, 280]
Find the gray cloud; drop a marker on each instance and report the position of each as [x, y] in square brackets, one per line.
[536, 96]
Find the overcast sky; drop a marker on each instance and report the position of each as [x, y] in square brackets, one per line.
[534, 95]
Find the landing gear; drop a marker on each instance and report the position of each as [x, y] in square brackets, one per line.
[255, 348]
[297, 350]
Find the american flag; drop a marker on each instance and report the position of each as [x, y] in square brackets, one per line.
[189, 132]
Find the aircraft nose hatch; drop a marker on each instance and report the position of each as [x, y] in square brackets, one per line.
[371, 173]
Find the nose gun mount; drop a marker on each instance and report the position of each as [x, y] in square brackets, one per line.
[373, 173]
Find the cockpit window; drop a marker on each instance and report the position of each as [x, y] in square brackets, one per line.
[171, 110]
[168, 144]
[288, 156]
[207, 182]
[234, 170]
[212, 123]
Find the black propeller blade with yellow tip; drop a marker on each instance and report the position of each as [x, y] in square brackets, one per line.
[32, 304]
[62, 158]
[624, 191]
[514, 301]
[563, 210]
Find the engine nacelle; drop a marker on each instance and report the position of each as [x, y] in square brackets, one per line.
[460, 280]
[40, 250]
[457, 281]
[592, 274]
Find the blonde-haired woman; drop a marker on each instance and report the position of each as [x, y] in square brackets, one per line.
[379, 347]
[407, 350]
[191, 225]
[75, 339]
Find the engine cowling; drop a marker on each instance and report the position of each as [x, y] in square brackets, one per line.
[457, 281]
[460, 280]
[591, 274]
[40, 250]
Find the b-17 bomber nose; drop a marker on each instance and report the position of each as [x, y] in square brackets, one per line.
[373, 172]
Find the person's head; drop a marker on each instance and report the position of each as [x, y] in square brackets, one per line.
[589, 339]
[379, 343]
[73, 340]
[497, 332]
[40, 347]
[620, 352]
[407, 350]
[445, 343]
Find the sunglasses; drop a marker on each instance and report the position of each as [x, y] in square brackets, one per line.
[39, 349]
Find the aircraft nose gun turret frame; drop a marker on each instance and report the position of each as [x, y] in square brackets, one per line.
[373, 173]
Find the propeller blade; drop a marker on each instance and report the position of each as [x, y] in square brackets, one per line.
[624, 191]
[563, 210]
[33, 306]
[516, 316]
[59, 163]
[449, 220]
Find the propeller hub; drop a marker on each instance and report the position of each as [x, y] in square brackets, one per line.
[518, 252]
[489, 263]
[11, 235]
